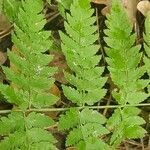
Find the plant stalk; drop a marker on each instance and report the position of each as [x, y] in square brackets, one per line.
[64, 109]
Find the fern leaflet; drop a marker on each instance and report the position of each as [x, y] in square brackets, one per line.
[125, 124]
[86, 127]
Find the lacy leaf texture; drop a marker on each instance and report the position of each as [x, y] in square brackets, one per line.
[30, 77]
[126, 72]
[78, 45]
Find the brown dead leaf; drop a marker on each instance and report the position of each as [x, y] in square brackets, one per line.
[129, 5]
[5, 26]
[16, 51]
[3, 57]
[59, 62]
[131, 9]
[4, 23]
[105, 10]
[2, 75]
[144, 7]
[105, 2]
[55, 90]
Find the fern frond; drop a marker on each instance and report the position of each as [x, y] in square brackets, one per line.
[30, 64]
[86, 127]
[124, 57]
[30, 77]
[80, 52]
[123, 60]
[86, 83]
[14, 141]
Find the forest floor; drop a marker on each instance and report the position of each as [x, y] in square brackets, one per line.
[55, 22]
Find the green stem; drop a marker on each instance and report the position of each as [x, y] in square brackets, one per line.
[64, 109]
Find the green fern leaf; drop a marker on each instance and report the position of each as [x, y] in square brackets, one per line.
[69, 120]
[11, 8]
[14, 141]
[78, 46]
[73, 118]
[43, 100]
[63, 6]
[124, 57]
[74, 137]
[37, 120]
[11, 94]
[83, 133]
[84, 125]
[30, 64]
[135, 132]
[23, 132]
[30, 78]
[114, 120]
[123, 60]
[122, 122]
[90, 145]
[14, 122]
[43, 136]
[137, 97]
[80, 52]
[26, 140]
[89, 116]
